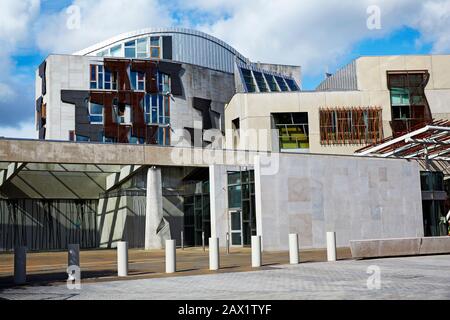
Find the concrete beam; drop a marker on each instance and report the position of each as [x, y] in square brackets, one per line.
[116, 179]
[13, 169]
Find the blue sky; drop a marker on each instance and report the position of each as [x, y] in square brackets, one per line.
[318, 35]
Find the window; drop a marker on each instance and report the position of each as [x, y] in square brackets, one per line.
[409, 105]
[260, 81]
[101, 78]
[271, 82]
[116, 51]
[95, 113]
[122, 113]
[137, 80]
[293, 130]
[157, 109]
[163, 83]
[130, 49]
[281, 83]
[248, 80]
[350, 125]
[292, 85]
[155, 47]
[141, 48]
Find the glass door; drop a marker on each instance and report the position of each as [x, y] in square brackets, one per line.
[236, 228]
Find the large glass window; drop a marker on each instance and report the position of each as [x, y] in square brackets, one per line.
[130, 49]
[155, 47]
[409, 105]
[137, 80]
[292, 85]
[281, 83]
[248, 80]
[116, 51]
[95, 113]
[271, 82]
[101, 78]
[260, 81]
[141, 48]
[293, 130]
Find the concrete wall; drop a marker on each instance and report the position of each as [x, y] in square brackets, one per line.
[358, 198]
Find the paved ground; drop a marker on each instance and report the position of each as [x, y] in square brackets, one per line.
[425, 277]
[100, 265]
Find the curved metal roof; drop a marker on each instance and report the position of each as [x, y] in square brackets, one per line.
[148, 31]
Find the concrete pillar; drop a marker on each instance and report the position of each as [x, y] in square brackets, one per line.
[157, 229]
[293, 248]
[256, 251]
[171, 258]
[20, 265]
[122, 258]
[331, 246]
[73, 255]
[214, 259]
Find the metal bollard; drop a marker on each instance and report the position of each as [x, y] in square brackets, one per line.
[20, 265]
[203, 241]
[182, 240]
[256, 251]
[214, 259]
[293, 248]
[73, 255]
[122, 259]
[228, 243]
[331, 246]
[171, 256]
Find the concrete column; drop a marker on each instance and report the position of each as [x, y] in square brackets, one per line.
[171, 257]
[256, 251]
[214, 259]
[156, 228]
[20, 265]
[293, 248]
[331, 246]
[122, 258]
[73, 255]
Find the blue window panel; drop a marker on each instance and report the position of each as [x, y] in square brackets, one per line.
[292, 85]
[154, 100]
[141, 86]
[161, 105]
[81, 138]
[96, 119]
[96, 109]
[167, 140]
[100, 68]
[154, 41]
[260, 81]
[281, 84]
[271, 82]
[160, 136]
[130, 53]
[93, 85]
[100, 80]
[154, 115]
[248, 80]
[133, 80]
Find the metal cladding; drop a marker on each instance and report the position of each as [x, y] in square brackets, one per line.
[343, 79]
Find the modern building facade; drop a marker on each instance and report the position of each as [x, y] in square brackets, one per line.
[118, 156]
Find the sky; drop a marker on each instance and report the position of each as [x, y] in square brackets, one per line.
[319, 35]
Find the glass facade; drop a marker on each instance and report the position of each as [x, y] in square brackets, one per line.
[293, 130]
[197, 216]
[241, 206]
[141, 48]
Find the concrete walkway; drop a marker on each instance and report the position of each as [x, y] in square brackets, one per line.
[425, 277]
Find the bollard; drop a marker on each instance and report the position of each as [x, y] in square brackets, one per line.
[214, 259]
[73, 255]
[170, 256]
[293, 248]
[20, 265]
[122, 258]
[256, 251]
[203, 241]
[228, 243]
[331, 246]
[182, 240]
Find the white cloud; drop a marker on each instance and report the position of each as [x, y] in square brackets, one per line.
[25, 130]
[99, 21]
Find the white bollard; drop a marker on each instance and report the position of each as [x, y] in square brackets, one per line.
[331, 246]
[170, 256]
[293, 248]
[214, 259]
[73, 255]
[122, 258]
[20, 265]
[256, 251]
